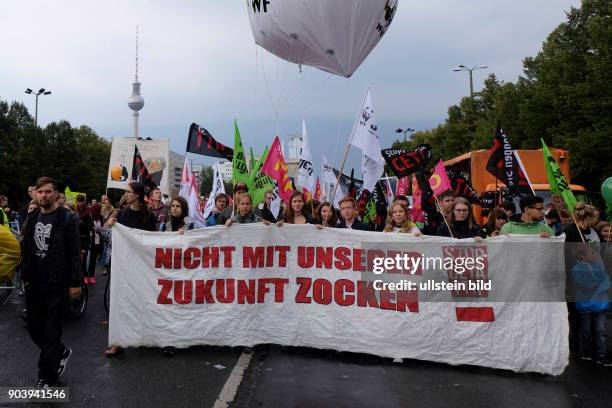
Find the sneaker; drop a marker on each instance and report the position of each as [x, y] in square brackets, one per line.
[42, 383]
[86, 280]
[604, 361]
[64, 361]
[168, 351]
[92, 280]
[398, 360]
[586, 357]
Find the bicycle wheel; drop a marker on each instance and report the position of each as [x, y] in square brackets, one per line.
[107, 293]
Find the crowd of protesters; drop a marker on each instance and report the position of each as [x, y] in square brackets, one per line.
[50, 266]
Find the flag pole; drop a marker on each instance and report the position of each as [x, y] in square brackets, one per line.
[578, 226]
[348, 146]
[444, 217]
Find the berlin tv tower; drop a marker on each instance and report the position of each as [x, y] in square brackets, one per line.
[136, 101]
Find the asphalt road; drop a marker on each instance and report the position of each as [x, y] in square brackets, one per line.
[279, 377]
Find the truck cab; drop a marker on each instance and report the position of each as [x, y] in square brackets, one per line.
[474, 166]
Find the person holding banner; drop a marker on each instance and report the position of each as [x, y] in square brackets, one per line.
[497, 219]
[294, 213]
[245, 213]
[446, 202]
[325, 215]
[348, 211]
[179, 210]
[266, 212]
[461, 222]
[398, 220]
[220, 206]
[585, 217]
[239, 190]
[530, 220]
[136, 214]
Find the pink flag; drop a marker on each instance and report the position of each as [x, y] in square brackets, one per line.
[402, 187]
[417, 214]
[275, 167]
[439, 180]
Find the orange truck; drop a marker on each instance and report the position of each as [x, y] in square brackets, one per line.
[474, 166]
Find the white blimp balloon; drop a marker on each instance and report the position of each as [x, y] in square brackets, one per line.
[332, 35]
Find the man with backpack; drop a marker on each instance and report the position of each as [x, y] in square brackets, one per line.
[51, 270]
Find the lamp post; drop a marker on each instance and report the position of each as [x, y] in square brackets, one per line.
[41, 91]
[470, 71]
[405, 132]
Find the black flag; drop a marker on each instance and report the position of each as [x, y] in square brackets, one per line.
[503, 164]
[200, 141]
[140, 172]
[349, 184]
[403, 163]
[464, 189]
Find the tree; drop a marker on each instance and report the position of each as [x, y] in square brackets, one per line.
[206, 180]
[75, 157]
[564, 97]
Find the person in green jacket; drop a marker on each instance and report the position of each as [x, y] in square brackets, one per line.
[532, 213]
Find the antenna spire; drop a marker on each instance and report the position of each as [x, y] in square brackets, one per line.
[136, 53]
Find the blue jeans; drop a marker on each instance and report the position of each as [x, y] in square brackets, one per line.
[592, 332]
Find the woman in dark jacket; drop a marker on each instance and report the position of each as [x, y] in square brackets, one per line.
[462, 224]
[295, 212]
[179, 210]
[326, 216]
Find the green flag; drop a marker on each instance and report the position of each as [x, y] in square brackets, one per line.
[260, 162]
[370, 212]
[556, 180]
[240, 172]
[259, 183]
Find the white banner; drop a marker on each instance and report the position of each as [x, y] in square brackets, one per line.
[155, 153]
[256, 284]
[217, 188]
[305, 173]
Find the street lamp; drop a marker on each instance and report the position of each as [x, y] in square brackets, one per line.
[405, 132]
[470, 70]
[41, 91]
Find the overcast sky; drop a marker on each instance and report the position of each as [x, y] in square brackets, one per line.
[198, 63]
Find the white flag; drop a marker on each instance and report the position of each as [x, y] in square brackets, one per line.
[365, 136]
[195, 207]
[390, 196]
[275, 206]
[217, 188]
[185, 182]
[329, 181]
[305, 176]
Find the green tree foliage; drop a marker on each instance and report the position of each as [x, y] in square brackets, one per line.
[75, 157]
[206, 179]
[565, 97]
